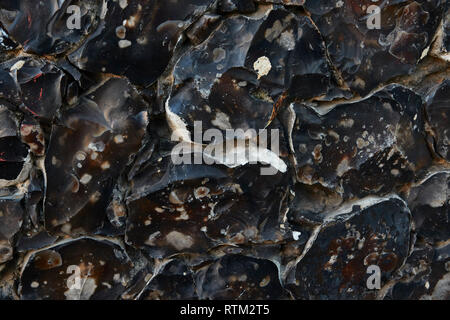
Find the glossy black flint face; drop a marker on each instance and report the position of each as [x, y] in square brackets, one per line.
[344, 103]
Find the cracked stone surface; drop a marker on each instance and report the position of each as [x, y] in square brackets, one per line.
[345, 106]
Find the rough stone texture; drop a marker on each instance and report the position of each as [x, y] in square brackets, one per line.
[352, 171]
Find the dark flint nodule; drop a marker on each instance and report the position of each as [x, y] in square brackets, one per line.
[96, 94]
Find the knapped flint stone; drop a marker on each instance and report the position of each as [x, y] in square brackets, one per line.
[5, 42]
[242, 74]
[13, 153]
[430, 208]
[243, 6]
[35, 241]
[446, 31]
[239, 277]
[41, 27]
[136, 38]
[425, 275]
[335, 267]
[193, 208]
[441, 45]
[35, 192]
[32, 134]
[34, 86]
[104, 268]
[174, 282]
[437, 108]
[380, 138]
[366, 57]
[11, 218]
[8, 124]
[310, 205]
[96, 139]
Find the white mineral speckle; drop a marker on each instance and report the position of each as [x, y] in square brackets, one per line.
[361, 143]
[179, 240]
[142, 40]
[342, 167]
[346, 123]
[86, 178]
[274, 32]
[123, 3]
[98, 146]
[105, 165]
[66, 228]
[264, 282]
[222, 121]
[151, 239]
[287, 40]
[121, 32]
[296, 235]
[174, 199]
[201, 192]
[18, 65]
[124, 43]
[219, 54]
[118, 139]
[80, 156]
[262, 66]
